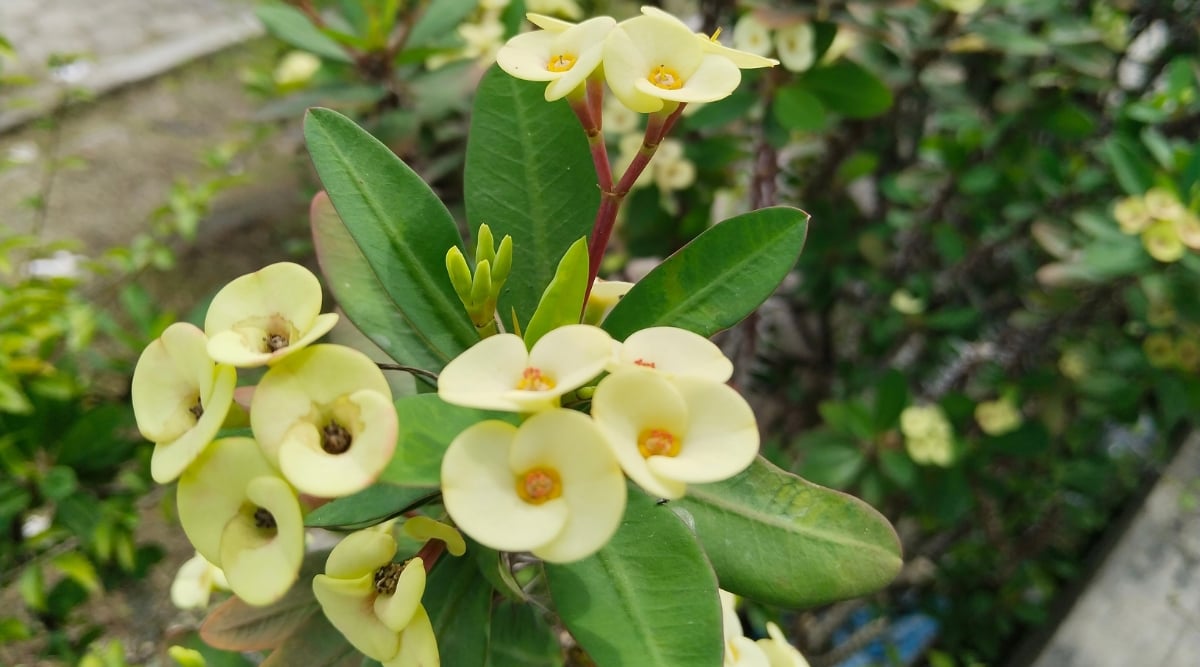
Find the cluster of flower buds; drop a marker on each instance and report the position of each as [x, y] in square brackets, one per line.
[1167, 227]
[480, 290]
[555, 485]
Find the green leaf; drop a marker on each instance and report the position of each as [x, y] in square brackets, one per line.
[845, 87]
[797, 544]
[717, 279]
[458, 598]
[528, 174]
[292, 26]
[1133, 172]
[798, 109]
[427, 426]
[521, 637]
[438, 19]
[76, 566]
[370, 506]
[648, 598]
[58, 483]
[562, 302]
[236, 626]
[400, 226]
[830, 458]
[891, 397]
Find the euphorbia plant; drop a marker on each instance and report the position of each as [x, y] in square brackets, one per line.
[586, 442]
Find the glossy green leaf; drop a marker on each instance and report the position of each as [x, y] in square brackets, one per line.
[648, 598]
[402, 229]
[717, 279]
[847, 88]
[458, 599]
[562, 302]
[521, 637]
[798, 109]
[427, 426]
[370, 506]
[797, 544]
[292, 26]
[528, 174]
[236, 626]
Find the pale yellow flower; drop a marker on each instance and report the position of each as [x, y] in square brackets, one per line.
[551, 487]
[905, 303]
[242, 517]
[497, 373]
[325, 416]
[194, 583]
[180, 398]
[567, 8]
[928, 436]
[620, 119]
[997, 417]
[744, 59]
[604, 297]
[1161, 240]
[1187, 227]
[564, 58]
[376, 603]
[674, 352]
[261, 317]
[1162, 204]
[796, 46]
[1132, 215]
[296, 68]
[671, 432]
[778, 650]
[751, 35]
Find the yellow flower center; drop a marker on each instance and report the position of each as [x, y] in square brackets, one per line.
[539, 485]
[561, 62]
[666, 78]
[658, 442]
[533, 380]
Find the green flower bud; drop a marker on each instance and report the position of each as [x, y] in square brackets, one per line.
[481, 290]
[485, 246]
[502, 266]
[460, 274]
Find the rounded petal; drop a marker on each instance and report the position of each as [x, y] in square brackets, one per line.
[359, 554]
[592, 484]
[170, 459]
[604, 297]
[623, 66]
[572, 355]
[627, 403]
[795, 46]
[212, 491]
[722, 435]
[526, 56]
[418, 645]
[262, 564]
[548, 23]
[676, 352]
[349, 606]
[168, 380]
[486, 373]
[480, 494]
[372, 424]
[744, 652]
[280, 299]
[423, 528]
[397, 609]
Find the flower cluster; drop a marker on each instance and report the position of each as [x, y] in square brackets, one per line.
[670, 170]
[790, 37]
[927, 435]
[321, 417]
[555, 484]
[1167, 227]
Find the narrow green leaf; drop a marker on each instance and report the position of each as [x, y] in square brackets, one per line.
[648, 598]
[400, 226]
[847, 88]
[562, 302]
[236, 626]
[521, 637]
[717, 279]
[797, 544]
[370, 506]
[292, 26]
[528, 174]
[427, 426]
[458, 599]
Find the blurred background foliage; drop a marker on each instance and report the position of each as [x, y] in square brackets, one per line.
[993, 335]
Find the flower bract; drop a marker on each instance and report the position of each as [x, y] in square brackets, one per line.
[563, 57]
[674, 352]
[242, 517]
[604, 297]
[180, 398]
[551, 486]
[670, 433]
[264, 316]
[497, 373]
[324, 415]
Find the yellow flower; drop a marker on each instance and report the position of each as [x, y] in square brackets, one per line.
[750, 35]
[672, 171]
[674, 352]
[744, 59]
[1187, 227]
[1132, 216]
[498, 374]
[1160, 350]
[905, 303]
[668, 433]
[563, 57]
[376, 603]
[296, 69]
[180, 398]
[997, 417]
[1162, 204]
[1162, 241]
[927, 435]
[325, 416]
[779, 651]
[796, 47]
[604, 297]
[194, 583]
[551, 487]
[264, 316]
[242, 517]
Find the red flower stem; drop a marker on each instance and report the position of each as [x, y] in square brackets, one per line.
[430, 553]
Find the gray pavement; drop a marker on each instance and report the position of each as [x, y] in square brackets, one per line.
[118, 42]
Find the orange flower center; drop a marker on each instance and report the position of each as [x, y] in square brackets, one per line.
[561, 62]
[539, 485]
[533, 380]
[666, 78]
[658, 442]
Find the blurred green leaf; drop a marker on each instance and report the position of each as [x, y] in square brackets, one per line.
[292, 26]
[798, 109]
[458, 599]
[847, 88]
[521, 637]
[1133, 172]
